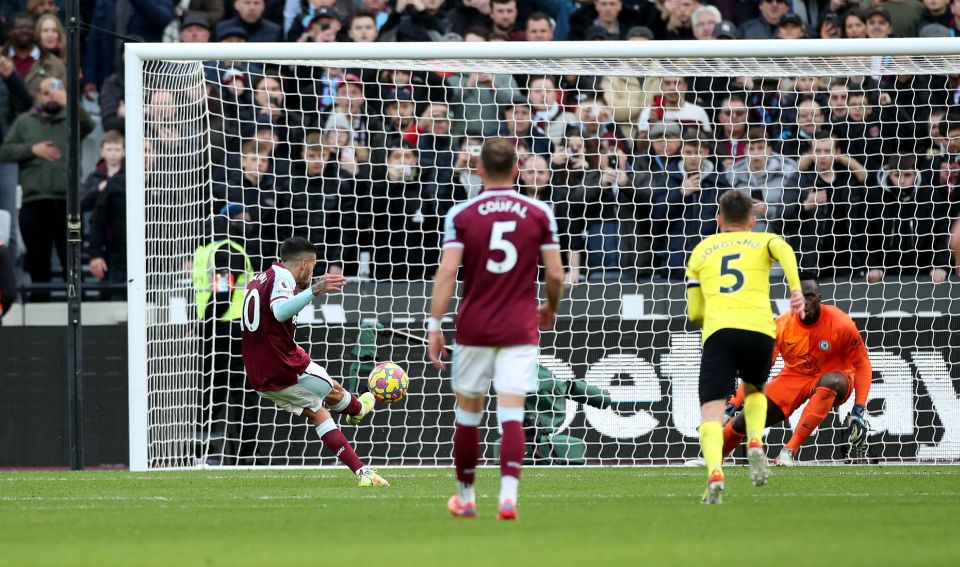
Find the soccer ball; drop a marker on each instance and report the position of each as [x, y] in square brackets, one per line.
[388, 382]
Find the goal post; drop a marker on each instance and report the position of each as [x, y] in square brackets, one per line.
[218, 137]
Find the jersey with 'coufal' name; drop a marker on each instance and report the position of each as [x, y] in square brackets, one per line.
[502, 234]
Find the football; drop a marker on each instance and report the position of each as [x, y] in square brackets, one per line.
[388, 382]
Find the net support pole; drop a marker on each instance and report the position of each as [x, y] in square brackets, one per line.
[137, 376]
[73, 267]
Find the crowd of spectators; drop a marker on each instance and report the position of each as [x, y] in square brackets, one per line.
[860, 173]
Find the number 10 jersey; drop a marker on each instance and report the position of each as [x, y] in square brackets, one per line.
[502, 234]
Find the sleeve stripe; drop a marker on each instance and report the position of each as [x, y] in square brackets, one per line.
[550, 247]
[453, 244]
[278, 298]
[691, 284]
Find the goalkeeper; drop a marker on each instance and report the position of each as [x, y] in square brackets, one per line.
[825, 360]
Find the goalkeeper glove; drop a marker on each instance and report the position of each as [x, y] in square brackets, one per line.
[857, 427]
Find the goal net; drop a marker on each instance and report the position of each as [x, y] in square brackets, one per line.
[853, 155]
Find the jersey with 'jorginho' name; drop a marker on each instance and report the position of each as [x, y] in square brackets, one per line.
[502, 234]
[271, 357]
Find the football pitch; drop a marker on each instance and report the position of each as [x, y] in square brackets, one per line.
[589, 517]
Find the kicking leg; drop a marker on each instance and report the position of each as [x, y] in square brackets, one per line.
[355, 407]
[466, 454]
[830, 387]
[512, 444]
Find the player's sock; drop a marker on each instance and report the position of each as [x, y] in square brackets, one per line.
[755, 413]
[466, 453]
[817, 409]
[731, 438]
[337, 444]
[349, 405]
[711, 444]
[512, 446]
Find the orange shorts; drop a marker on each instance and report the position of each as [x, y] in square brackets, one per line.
[790, 390]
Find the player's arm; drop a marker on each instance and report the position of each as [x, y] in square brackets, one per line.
[285, 304]
[856, 422]
[783, 253]
[554, 278]
[444, 284]
[553, 264]
[695, 304]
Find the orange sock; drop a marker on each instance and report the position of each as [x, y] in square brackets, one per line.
[731, 439]
[817, 409]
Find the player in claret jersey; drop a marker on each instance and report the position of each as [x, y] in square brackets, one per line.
[279, 370]
[825, 359]
[499, 237]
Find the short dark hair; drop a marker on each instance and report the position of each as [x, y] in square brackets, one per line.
[498, 158]
[294, 247]
[806, 276]
[757, 134]
[736, 207]
[902, 162]
[542, 16]
[951, 121]
[360, 15]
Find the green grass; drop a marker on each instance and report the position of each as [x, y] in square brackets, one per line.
[583, 516]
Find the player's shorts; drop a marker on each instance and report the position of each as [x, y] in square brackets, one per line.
[790, 390]
[512, 369]
[729, 353]
[312, 387]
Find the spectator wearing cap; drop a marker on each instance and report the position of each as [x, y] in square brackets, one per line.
[639, 33]
[765, 27]
[540, 27]
[791, 26]
[323, 27]
[231, 34]
[297, 14]
[503, 14]
[904, 15]
[704, 20]
[250, 19]
[726, 30]
[613, 17]
[936, 30]
[195, 28]
[399, 117]
[420, 20]
[362, 27]
[879, 24]
[211, 10]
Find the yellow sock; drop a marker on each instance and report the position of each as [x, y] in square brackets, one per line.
[755, 413]
[711, 443]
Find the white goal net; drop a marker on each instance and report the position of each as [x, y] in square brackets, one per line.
[855, 159]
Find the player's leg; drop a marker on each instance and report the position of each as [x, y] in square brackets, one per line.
[515, 376]
[735, 430]
[339, 400]
[831, 387]
[317, 382]
[471, 371]
[754, 353]
[717, 381]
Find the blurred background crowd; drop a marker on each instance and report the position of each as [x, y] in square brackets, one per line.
[861, 173]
